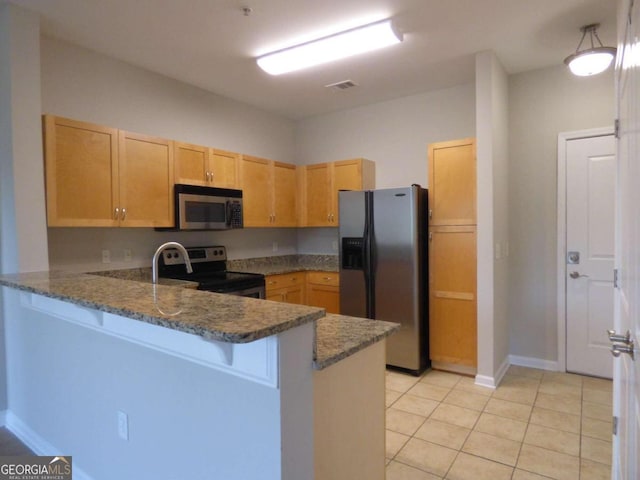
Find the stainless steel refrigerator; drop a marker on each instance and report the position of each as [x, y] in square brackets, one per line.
[384, 267]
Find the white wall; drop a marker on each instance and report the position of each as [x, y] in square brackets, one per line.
[542, 104]
[492, 231]
[394, 134]
[80, 249]
[23, 235]
[85, 85]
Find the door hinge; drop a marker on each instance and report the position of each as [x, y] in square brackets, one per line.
[616, 128]
[615, 278]
[615, 425]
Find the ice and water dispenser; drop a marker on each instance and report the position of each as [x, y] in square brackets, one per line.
[352, 253]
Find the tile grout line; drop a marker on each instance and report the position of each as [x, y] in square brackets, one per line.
[456, 387]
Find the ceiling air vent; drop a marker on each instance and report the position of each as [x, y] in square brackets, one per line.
[343, 85]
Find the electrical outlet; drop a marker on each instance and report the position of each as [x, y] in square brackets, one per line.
[123, 425]
[106, 256]
[275, 246]
[334, 245]
[127, 255]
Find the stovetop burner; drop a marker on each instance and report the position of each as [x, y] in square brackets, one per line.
[209, 270]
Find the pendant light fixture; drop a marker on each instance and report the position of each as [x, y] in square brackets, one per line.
[340, 45]
[590, 61]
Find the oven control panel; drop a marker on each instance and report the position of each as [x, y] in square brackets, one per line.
[172, 256]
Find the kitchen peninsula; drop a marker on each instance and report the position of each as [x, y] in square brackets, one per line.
[143, 381]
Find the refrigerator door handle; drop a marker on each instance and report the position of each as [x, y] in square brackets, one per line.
[369, 256]
[366, 267]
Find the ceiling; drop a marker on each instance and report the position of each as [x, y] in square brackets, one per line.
[211, 44]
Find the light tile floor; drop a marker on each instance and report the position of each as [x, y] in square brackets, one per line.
[536, 425]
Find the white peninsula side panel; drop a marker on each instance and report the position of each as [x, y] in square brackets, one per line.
[190, 412]
[349, 417]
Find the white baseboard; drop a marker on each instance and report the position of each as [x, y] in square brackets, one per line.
[36, 443]
[502, 370]
[493, 382]
[532, 362]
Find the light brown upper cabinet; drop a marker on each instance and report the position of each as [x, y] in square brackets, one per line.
[269, 192]
[197, 165]
[146, 180]
[452, 182]
[323, 181]
[224, 168]
[98, 176]
[81, 165]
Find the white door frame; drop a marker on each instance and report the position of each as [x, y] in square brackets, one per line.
[563, 138]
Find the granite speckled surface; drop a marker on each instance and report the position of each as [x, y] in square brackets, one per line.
[339, 336]
[228, 318]
[285, 264]
[143, 275]
[221, 317]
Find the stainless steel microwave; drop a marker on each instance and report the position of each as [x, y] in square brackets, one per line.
[207, 208]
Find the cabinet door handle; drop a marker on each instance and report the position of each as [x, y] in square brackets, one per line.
[116, 212]
[326, 278]
[124, 213]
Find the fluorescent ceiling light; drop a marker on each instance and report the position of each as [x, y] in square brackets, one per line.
[590, 61]
[334, 47]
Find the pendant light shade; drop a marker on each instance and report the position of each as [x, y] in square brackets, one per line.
[590, 61]
[341, 45]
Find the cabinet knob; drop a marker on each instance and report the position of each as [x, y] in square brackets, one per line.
[117, 212]
[124, 213]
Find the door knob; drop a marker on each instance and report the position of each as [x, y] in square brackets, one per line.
[617, 349]
[576, 275]
[614, 337]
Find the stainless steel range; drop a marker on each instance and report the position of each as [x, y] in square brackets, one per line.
[210, 272]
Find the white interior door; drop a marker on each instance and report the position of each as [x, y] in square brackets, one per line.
[591, 176]
[626, 376]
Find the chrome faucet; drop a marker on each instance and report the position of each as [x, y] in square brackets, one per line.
[156, 256]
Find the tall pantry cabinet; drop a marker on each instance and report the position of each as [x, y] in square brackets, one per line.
[452, 255]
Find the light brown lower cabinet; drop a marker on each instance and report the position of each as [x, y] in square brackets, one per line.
[286, 287]
[315, 288]
[452, 295]
[323, 290]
